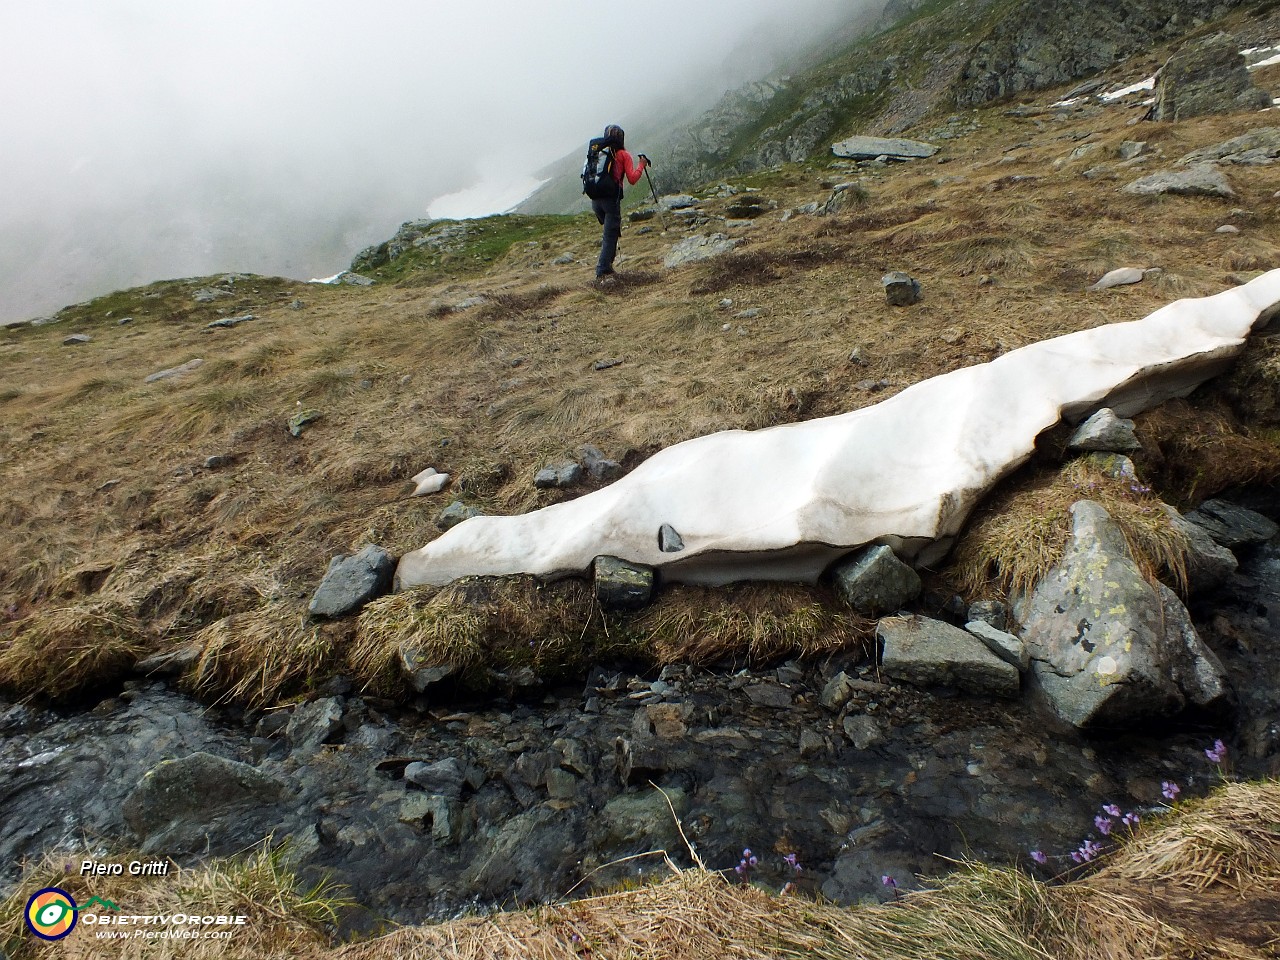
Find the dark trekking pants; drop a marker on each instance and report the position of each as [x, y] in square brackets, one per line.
[609, 213]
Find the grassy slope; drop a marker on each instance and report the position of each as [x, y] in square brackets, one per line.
[118, 541]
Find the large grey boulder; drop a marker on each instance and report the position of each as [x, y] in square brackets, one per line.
[351, 582]
[875, 581]
[699, 247]
[1205, 77]
[930, 653]
[896, 148]
[1107, 648]
[1198, 180]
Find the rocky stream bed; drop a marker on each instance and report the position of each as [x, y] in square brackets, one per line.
[425, 811]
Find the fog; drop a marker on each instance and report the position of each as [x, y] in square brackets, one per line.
[150, 139]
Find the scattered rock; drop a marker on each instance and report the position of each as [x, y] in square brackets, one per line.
[1118, 278]
[228, 322]
[209, 294]
[217, 462]
[1106, 432]
[352, 581]
[598, 466]
[1205, 77]
[1227, 228]
[565, 258]
[354, 279]
[669, 540]
[303, 419]
[1231, 525]
[620, 585]
[174, 371]
[699, 247]
[768, 695]
[900, 289]
[875, 581]
[896, 148]
[991, 612]
[1259, 147]
[678, 201]
[843, 197]
[443, 778]
[170, 663]
[312, 724]
[421, 673]
[837, 692]
[606, 364]
[1004, 645]
[455, 513]
[929, 653]
[558, 476]
[1200, 180]
[1106, 647]
[863, 732]
[1131, 149]
[77, 339]
[427, 482]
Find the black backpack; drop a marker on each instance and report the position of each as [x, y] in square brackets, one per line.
[598, 181]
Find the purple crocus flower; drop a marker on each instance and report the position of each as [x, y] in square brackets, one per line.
[1131, 820]
[1170, 790]
[888, 881]
[1103, 824]
[1218, 752]
[1039, 857]
[1111, 810]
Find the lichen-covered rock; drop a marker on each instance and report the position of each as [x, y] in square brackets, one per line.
[1106, 647]
[620, 585]
[1198, 180]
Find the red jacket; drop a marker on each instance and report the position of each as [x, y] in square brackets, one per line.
[623, 165]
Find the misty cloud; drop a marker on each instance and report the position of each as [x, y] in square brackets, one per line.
[148, 139]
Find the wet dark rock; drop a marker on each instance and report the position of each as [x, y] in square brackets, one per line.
[444, 778]
[875, 581]
[1208, 563]
[620, 585]
[768, 695]
[1106, 647]
[181, 805]
[421, 673]
[351, 582]
[837, 692]
[930, 653]
[863, 732]
[314, 723]
[1231, 525]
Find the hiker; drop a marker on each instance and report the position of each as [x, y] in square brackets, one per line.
[608, 160]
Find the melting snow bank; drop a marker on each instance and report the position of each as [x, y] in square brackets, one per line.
[784, 502]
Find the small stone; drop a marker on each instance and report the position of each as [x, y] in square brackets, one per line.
[216, 462]
[1004, 645]
[837, 692]
[863, 731]
[1118, 278]
[598, 466]
[301, 420]
[812, 743]
[768, 695]
[455, 513]
[900, 289]
[351, 582]
[605, 364]
[991, 612]
[1106, 432]
[312, 724]
[296, 305]
[669, 540]
[561, 784]
[76, 340]
[1227, 228]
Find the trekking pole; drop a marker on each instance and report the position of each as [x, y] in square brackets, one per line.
[648, 163]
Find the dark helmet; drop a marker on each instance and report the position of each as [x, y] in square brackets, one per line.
[616, 134]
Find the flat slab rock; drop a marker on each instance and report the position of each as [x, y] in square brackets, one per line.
[868, 148]
[930, 653]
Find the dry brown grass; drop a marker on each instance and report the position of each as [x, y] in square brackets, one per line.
[285, 917]
[1022, 531]
[511, 384]
[257, 657]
